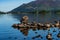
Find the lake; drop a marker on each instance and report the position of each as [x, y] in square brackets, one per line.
[7, 32]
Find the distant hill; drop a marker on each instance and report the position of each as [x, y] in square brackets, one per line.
[38, 5]
[2, 12]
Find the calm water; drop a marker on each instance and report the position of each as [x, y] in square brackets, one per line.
[7, 32]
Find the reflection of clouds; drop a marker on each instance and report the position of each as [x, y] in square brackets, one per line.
[7, 18]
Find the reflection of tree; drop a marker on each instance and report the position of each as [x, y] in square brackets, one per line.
[43, 17]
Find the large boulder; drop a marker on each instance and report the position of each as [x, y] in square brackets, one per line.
[24, 20]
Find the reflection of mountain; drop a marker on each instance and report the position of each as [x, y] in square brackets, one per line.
[38, 4]
[42, 18]
[19, 16]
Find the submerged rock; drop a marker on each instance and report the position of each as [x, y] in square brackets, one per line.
[49, 36]
[15, 38]
[24, 38]
[36, 32]
[9, 37]
[54, 30]
[58, 35]
[38, 36]
[57, 24]
[15, 25]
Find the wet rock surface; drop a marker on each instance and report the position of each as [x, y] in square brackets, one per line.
[38, 36]
[25, 32]
[58, 35]
[49, 36]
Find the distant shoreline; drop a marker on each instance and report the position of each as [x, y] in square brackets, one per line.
[42, 11]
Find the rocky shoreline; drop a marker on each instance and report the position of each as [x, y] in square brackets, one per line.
[24, 26]
[24, 23]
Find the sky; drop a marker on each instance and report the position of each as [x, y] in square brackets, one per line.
[8, 5]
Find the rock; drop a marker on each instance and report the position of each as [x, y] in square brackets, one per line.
[53, 25]
[44, 28]
[38, 36]
[36, 32]
[59, 26]
[58, 35]
[54, 30]
[24, 38]
[57, 23]
[15, 25]
[24, 20]
[49, 37]
[21, 25]
[48, 29]
[25, 17]
[34, 23]
[33, 37]
[48, 25]
[39, 26]
[34, 28]
[15, 37]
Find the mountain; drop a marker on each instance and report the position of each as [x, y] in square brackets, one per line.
[38, 5]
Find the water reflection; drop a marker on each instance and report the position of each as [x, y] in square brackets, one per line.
[43, 18]
[9, 33]
[47, 33]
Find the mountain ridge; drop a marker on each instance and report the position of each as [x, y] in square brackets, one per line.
[38, 4]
